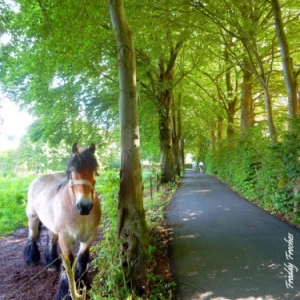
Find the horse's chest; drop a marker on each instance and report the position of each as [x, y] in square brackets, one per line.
[78, 228]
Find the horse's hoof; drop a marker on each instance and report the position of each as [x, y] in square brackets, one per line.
[63, 288]
[31, 253]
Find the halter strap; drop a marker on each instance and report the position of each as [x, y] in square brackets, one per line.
[81, 181]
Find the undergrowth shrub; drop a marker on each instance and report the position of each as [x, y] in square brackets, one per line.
[260, 170]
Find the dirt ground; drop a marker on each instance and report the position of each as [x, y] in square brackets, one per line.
[22, 282]
[19, 281]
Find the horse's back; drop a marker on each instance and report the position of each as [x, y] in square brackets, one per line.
[47, 183]
[41, 193]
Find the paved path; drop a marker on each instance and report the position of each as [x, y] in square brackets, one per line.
[224, 247]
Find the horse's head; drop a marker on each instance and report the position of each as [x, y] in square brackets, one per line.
[82, 170]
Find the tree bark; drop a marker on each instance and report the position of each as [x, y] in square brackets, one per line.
[287, 62]
[268, 105]
[231, 99]
[213, 137]
[220, 128]
[165, 116]
[132, 230]
[165, 137]
[230, 118]
[176, 134]
[179, 135]
[247, 113]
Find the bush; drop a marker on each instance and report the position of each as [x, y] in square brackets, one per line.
[259, 170]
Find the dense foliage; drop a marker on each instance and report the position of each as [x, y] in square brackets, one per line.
[265, 173]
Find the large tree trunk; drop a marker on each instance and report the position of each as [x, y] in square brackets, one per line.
[287, 62]
[165, 115]
[165, 136]
[247, 113]
[132, 229]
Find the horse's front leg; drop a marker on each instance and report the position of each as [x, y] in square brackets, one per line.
[63, 293]
[83, 258]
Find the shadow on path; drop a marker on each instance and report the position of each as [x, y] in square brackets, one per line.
[223, 247]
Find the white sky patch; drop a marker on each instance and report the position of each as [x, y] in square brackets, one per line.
[14, 124]
[5, 38]
[15, 7]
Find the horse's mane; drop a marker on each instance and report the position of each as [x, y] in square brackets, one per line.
[76, 161]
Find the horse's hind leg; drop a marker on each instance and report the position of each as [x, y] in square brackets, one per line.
[51, 258]
[31, 250]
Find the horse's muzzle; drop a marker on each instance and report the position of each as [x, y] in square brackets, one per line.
[84, 208]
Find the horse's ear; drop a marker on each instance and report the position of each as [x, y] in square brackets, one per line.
[92, 148]
[75, 148]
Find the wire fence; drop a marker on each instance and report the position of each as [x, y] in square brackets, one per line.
[45, 269]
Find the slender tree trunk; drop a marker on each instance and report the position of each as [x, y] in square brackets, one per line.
[181, 154]
[213, 138]
[179, 136]
[268, 105]
[247, 113]
[231, 99]
[132, 229]
[264, 82]
[230, 119]
[287, 62]
[220, 128]
[176, 134]
[176, 155]
[165, 136]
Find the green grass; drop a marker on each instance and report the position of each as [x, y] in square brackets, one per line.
[13, 197]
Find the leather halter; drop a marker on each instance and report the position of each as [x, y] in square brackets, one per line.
[81, 182]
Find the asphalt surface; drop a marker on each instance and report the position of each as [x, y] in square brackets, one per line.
[224, 247]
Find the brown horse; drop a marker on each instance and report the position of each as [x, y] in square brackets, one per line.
[67, 204]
